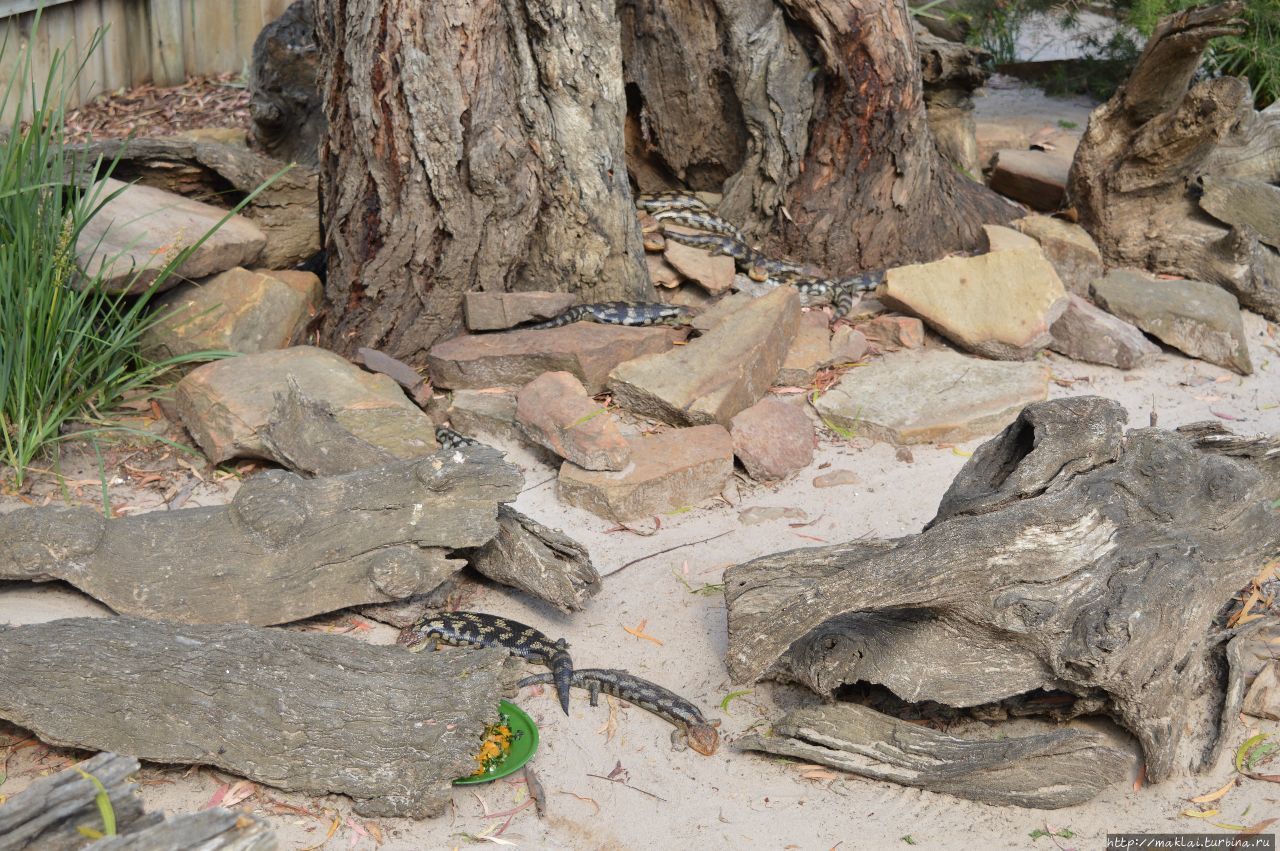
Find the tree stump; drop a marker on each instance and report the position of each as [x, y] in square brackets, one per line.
[1168, 172]
[284, 102]
[298, 711]
[1068, 555]
[284, 549]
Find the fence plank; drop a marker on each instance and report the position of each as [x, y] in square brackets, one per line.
[137, 38]
[115, 46]
[87, 15]
[168, 66]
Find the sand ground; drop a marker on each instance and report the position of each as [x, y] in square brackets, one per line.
[734, 799]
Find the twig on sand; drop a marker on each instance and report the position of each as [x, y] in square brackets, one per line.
[669, 549]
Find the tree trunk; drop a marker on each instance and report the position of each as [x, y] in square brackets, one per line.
[480, 146]
[470, 146]
[832, 164]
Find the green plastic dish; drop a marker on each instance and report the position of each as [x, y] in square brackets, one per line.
[523, 746]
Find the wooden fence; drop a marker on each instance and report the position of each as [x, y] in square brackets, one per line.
[160, 41]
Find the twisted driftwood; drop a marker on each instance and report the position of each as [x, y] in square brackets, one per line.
[1068, 555]
[1179, 178]
[298, 711]
[284, 549]
[304, 435]
[50, 813]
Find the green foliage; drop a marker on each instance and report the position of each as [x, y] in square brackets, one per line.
[69, 351]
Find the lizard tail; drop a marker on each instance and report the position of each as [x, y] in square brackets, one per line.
[562, 674]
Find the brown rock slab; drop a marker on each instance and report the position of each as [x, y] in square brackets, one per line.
[726, 370]
[893, 332]
[999, 305]
[1263, 698]
[140, 230]
[930, 396]
[772, 439]
[671, 470]
[849, 345]
[224, 404]
[488, 412]
[499, 311]
[514, 358]
[1068, 247]
[809, 352]
[835, 479]
[662, 273]
[1199, 319]
[398, 371]
[555, 411]
[237, 311]
[713, 271]
[1088, 333]
[1036, 178]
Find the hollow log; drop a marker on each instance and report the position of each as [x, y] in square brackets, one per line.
[1046, 770]
[284, 549]
[1068, 555]
[1160, 157]
[287, 211]
[297, 711]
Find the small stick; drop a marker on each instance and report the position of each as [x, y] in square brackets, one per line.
[669, 549]
[629, 786]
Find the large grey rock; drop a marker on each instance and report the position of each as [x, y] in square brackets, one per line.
[999, 305]
[1088, 333]
[726, 370]
[142, 229]
[237, 311]
[498, 311]
[491, 412]
[1199, 319]
[554, 411]
[225, 403]
[932, 395]
[514, 358]
[1068, 247]
[670, 470]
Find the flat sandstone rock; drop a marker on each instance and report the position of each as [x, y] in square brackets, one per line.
[588, 350]
[726, 370]
[298, 711]
[555, 411]
[931, 396]
[1199, 319]
[999, 305]
[497, 311]
[1088, 333]
[1068, 247]
[143, 228]
[225, 403]
[671, 470]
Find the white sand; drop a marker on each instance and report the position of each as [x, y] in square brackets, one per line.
[736, 799]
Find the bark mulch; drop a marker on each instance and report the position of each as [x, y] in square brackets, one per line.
[150, 110]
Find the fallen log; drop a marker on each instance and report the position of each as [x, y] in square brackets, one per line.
[284, 549]
[62, 812]
[297, 711]
[1059, 768]
[1177, 178]
[1068, 555]
[304, 435]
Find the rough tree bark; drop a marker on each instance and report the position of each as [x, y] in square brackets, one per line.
[1068, 555]
[836, 161]
[470, 146]
[481, 146]
[1172, 177]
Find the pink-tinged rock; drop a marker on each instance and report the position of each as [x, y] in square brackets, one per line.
[225, 403]
[713, 271]
[514, 358]
[848, 345]
[772, 439]
[835, 479]
[497, 311]
[893, 332]
[555, 411]
[661, 273]
[810, 351]
[1036, 178]
[726, 370]
[672, 470]
[1088, 333]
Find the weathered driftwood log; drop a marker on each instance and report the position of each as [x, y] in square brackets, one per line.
[60, 813]
[1262, 449]
[952, 72]
[304, 435]
[1067, 555]
[298, 711]
[285, 548]
[284, 102]
[1058, 768]
[1160, 143]
[287, 211]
